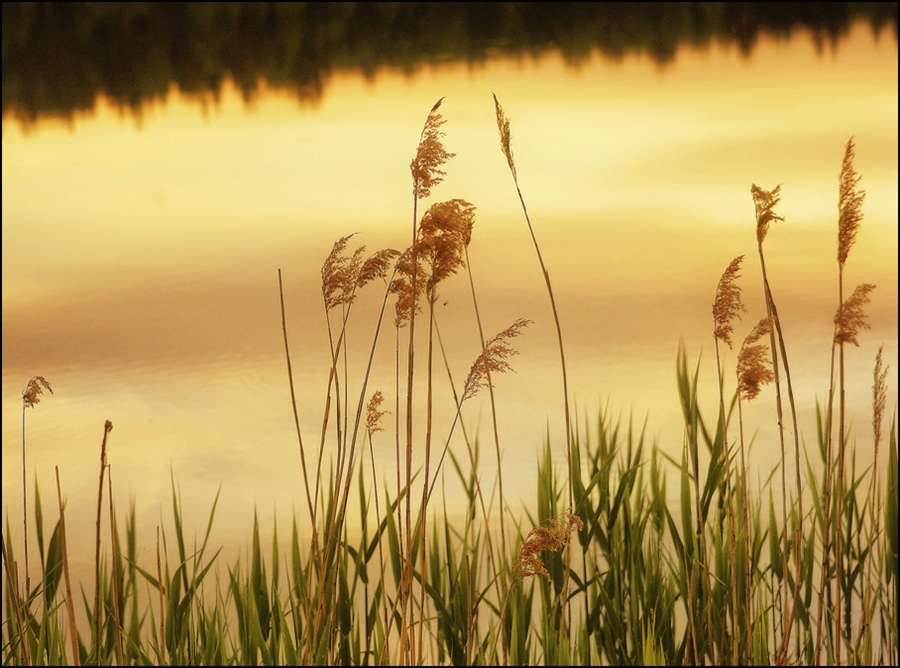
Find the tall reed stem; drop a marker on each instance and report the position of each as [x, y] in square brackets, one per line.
[95, 636]
[70, 602]
[30, 398]
[115, 576]
[505, 136]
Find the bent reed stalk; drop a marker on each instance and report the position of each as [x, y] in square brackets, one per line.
[688, 582]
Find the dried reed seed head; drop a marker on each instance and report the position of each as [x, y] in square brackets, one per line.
[493, 359]
[340, 274]
[727, 304]
[765, 201]
[879, 395]
[850, 318]
[402, 285]
[376, 266]
[444, 232]
[850, 201]
[505, 135]
[32, 392]
[373, 415]
[529, 566]
[753, 361]
[575, 522]
[430, 155]
[540, 539]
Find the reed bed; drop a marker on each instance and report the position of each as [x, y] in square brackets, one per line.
[606, 568]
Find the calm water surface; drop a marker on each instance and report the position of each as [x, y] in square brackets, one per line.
[140, 262]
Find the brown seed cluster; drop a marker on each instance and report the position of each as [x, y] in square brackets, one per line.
[36, 386]
[728, 304]
[765, 201]
[850, 318]
[505, 136]
[373, 415]
[493, 359]
[850, 201]
[879, 395]
[430, 155]
[343, 275]
[443, 234]
[753, 361]
[542, 538]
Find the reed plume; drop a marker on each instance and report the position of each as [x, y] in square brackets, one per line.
[340, 273]
[879, 396]
[850, 318]
[505, 137]
[444, 233]
[541, 539]
[728, 304]
[373, 415]
[402, 286]
[31, 396]
[765, 201]
[850, 200]
[493, 359]
[752, 369]
[376, 266]
[430, 155]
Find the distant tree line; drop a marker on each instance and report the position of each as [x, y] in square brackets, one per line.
[59, 56]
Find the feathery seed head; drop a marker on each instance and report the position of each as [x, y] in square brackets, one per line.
[444, 233]
[850, 318]
[879, 395]
[402, 285]
[35, 388]
[373, 415]
[505, 135]
[727, 304]
[765, 201]
[493, 359]
[850, 201]
[542, 538]
[430, 155]
[376, 266]
[340, 274]
[753, 361]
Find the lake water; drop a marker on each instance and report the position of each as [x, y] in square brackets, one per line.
[140, 260]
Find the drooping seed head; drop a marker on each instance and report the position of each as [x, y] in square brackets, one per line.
[753, 366]
[33, 391]
[765, 201]
[850, 317]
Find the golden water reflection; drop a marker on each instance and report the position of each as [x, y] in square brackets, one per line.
[139, 261]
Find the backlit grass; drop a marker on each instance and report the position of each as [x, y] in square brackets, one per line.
[607, 566]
